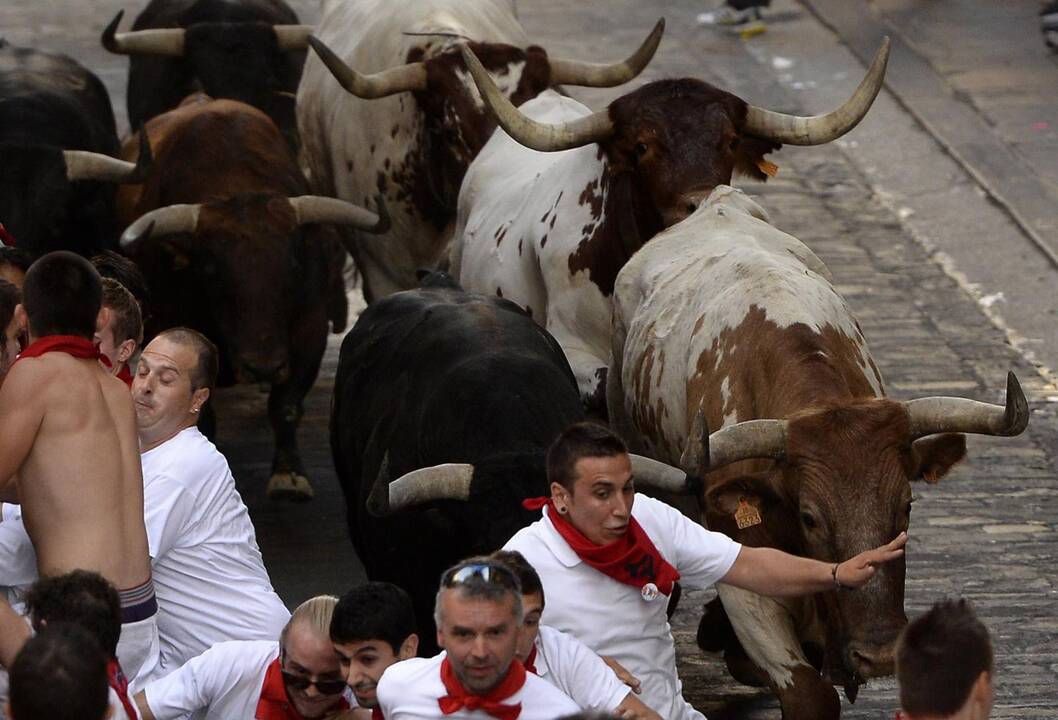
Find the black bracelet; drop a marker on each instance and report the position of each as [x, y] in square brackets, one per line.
[838, 585]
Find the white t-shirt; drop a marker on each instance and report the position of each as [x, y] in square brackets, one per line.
[208, 572]
[223, 683]
[410, 689]
[572, 667]
[612, 618]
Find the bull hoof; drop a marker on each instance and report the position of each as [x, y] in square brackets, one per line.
[289, 487]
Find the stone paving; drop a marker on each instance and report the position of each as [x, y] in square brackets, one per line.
[988, 532]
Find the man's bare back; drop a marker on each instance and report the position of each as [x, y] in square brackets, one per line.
[68, 430]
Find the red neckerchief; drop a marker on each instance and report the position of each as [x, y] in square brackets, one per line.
[6, 238]
[120, 685]
[458, 698]
[376, 713]
[78, 347]
[631, 559]
[124, 374]
[530, 662]
[274, 703]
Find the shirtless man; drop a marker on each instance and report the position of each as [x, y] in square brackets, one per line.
[68, 432]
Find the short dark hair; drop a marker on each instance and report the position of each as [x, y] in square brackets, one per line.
[521, 568]
[110, 264]
[9, 298]
[374, 611]
[81, 597]
[581, 440]
[62, 294]
[15, 257]
[60, 674]
[205, 373]
[939, 657]
[128, 320]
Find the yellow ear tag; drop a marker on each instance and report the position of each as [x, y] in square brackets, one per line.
[746, 515]
[768, 168]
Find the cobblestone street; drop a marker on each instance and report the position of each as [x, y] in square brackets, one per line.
[988, 532]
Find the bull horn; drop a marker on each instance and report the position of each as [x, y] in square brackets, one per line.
[538, 136]
[574, 72]
[404, 78]
[85, 165]
[745, 440]
[157, 41]
[167, 220]
[292, 37]
[933, 415]
[653, 473]
[820, 129]
[318, 209]
[450, 481]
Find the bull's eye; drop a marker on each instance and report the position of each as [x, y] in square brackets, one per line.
[808, 521]
[641, 149]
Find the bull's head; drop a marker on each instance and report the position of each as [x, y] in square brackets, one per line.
[456, 125]
[842, 485]
[671, 142]
[53, 197]
[241, 58]
[242, 259]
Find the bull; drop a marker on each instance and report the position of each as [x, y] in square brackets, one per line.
[247, 50]
[723, 321]
[411, 124]
[58, 147]
[227, 238]
[551, 230]
[444, 406]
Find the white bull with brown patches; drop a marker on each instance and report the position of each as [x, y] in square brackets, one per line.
[723, 321]
[392, 109]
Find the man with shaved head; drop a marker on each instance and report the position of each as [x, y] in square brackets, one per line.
[68, 449]
[210, 577]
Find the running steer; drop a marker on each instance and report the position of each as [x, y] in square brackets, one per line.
[411, 127]
[550, 230]
[57, 148]
[723, 321]
[226, 237]
[248, 50]
[444, 406]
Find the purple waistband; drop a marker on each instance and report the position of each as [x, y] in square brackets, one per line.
[138, 603]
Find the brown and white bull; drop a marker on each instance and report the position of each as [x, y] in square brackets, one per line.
[231, 245]
[723, 321]
[551, 230]
[409, 126]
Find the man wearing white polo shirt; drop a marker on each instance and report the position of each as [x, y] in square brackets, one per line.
[208, 572]
[297, 678]
[479, 618]
[609, 557]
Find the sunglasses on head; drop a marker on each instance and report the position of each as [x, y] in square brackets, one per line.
[487, 573]
[294, 681]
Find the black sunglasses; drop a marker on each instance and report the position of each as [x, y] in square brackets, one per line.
[488, 573]
[293, 681]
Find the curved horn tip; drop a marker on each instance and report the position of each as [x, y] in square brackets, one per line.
[128, 241]
[1016, 417]
[107, 39]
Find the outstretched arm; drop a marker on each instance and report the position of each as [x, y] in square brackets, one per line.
[772, 572]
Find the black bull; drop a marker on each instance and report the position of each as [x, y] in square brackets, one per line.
[434, 376]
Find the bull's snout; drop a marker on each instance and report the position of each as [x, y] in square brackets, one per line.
[871, 661]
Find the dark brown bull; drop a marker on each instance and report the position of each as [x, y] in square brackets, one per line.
[226, 237]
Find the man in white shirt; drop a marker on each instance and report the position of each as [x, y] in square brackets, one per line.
[564, 661]
[609, 557]
[479, 618]
[297, 678]
[209, 576]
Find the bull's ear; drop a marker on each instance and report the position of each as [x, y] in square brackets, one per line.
[935, 455]
[749, 157]
[724, 499]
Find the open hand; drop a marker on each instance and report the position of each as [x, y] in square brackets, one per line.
[857, 570]
[623, 675]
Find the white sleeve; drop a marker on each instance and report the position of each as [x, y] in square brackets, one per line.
[18, 560]
[191, 687]
[577, 671]
[701, 556]
[167, 508]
